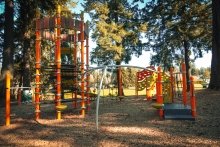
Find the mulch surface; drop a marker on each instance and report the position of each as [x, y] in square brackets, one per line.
[130, 123]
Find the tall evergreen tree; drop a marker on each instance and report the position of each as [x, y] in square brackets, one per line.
[177, 29]
[116, 30]
[25, 33]
[215, 64]
[26, 29]
[2, 19]
[8, 50]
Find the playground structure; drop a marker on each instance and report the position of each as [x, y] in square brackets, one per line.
[146, 79]
[166, 88]
[162, 108]
[168, 110]
[150, 78]
[80, 34]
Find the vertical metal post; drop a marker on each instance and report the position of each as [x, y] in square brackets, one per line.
[120, 82]
[7, 100]
[55, 63]
[58, 101]
[98, 99]
[184, 83]
[172, 85]
[75, 69]
[136, 85]
[193, 97]
[82, 64]
[87, 72]
[160, 96]
[19, 97]
[37, 66]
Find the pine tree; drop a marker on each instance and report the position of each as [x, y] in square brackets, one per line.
[24, 33]
[215, 64]
[116, 30]
[178, 29]
[26, 29]
[8, 47]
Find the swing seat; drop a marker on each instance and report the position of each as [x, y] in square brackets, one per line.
[61, 107]
[157, 105]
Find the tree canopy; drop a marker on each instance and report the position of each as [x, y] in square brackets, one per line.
[116, 30]
[177, 30]
[174, 26]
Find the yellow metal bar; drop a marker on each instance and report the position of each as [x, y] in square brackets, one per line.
[7, 101]
[82, 64]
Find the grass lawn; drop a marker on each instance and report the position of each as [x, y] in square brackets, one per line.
[106, 92]
[127, 92]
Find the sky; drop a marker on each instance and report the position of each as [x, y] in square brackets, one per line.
[144, 59]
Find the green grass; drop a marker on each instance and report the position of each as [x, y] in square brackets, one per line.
[127, 92]
[105, 92]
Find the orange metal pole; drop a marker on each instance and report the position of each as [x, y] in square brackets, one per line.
[82, 64]
[19, 97]
[184, 83]
[136, 85]
[37, 66]
[157, 90]
[87, 75]
[7, 101]
[55, 63]
[75, 72]
[160, 96]
[147, 91]
[120, 83]
[58, 101]
[193, 97]
[121, 89]
[55, 48]
[172, 84]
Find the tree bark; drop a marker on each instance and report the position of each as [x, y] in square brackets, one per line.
[8, 51]
[26, 64]
[25, 12]
[119, 73]
[187, 54]
[215, 63]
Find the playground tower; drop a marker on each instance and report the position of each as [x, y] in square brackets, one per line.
[81, 33]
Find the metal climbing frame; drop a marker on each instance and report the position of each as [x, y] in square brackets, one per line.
[57, 22]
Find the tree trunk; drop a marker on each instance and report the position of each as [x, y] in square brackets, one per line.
[215, 63]
[26, 43]
[119, 73]
[187, 54]
[8, 52]
[26, 63]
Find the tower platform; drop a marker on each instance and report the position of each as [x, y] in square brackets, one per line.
[177, 112]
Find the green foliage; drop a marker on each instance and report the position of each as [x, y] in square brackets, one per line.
[174, 25]
[194, 70]
[25, 31]
[129, 77]
[115, 30]
[205, 72]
